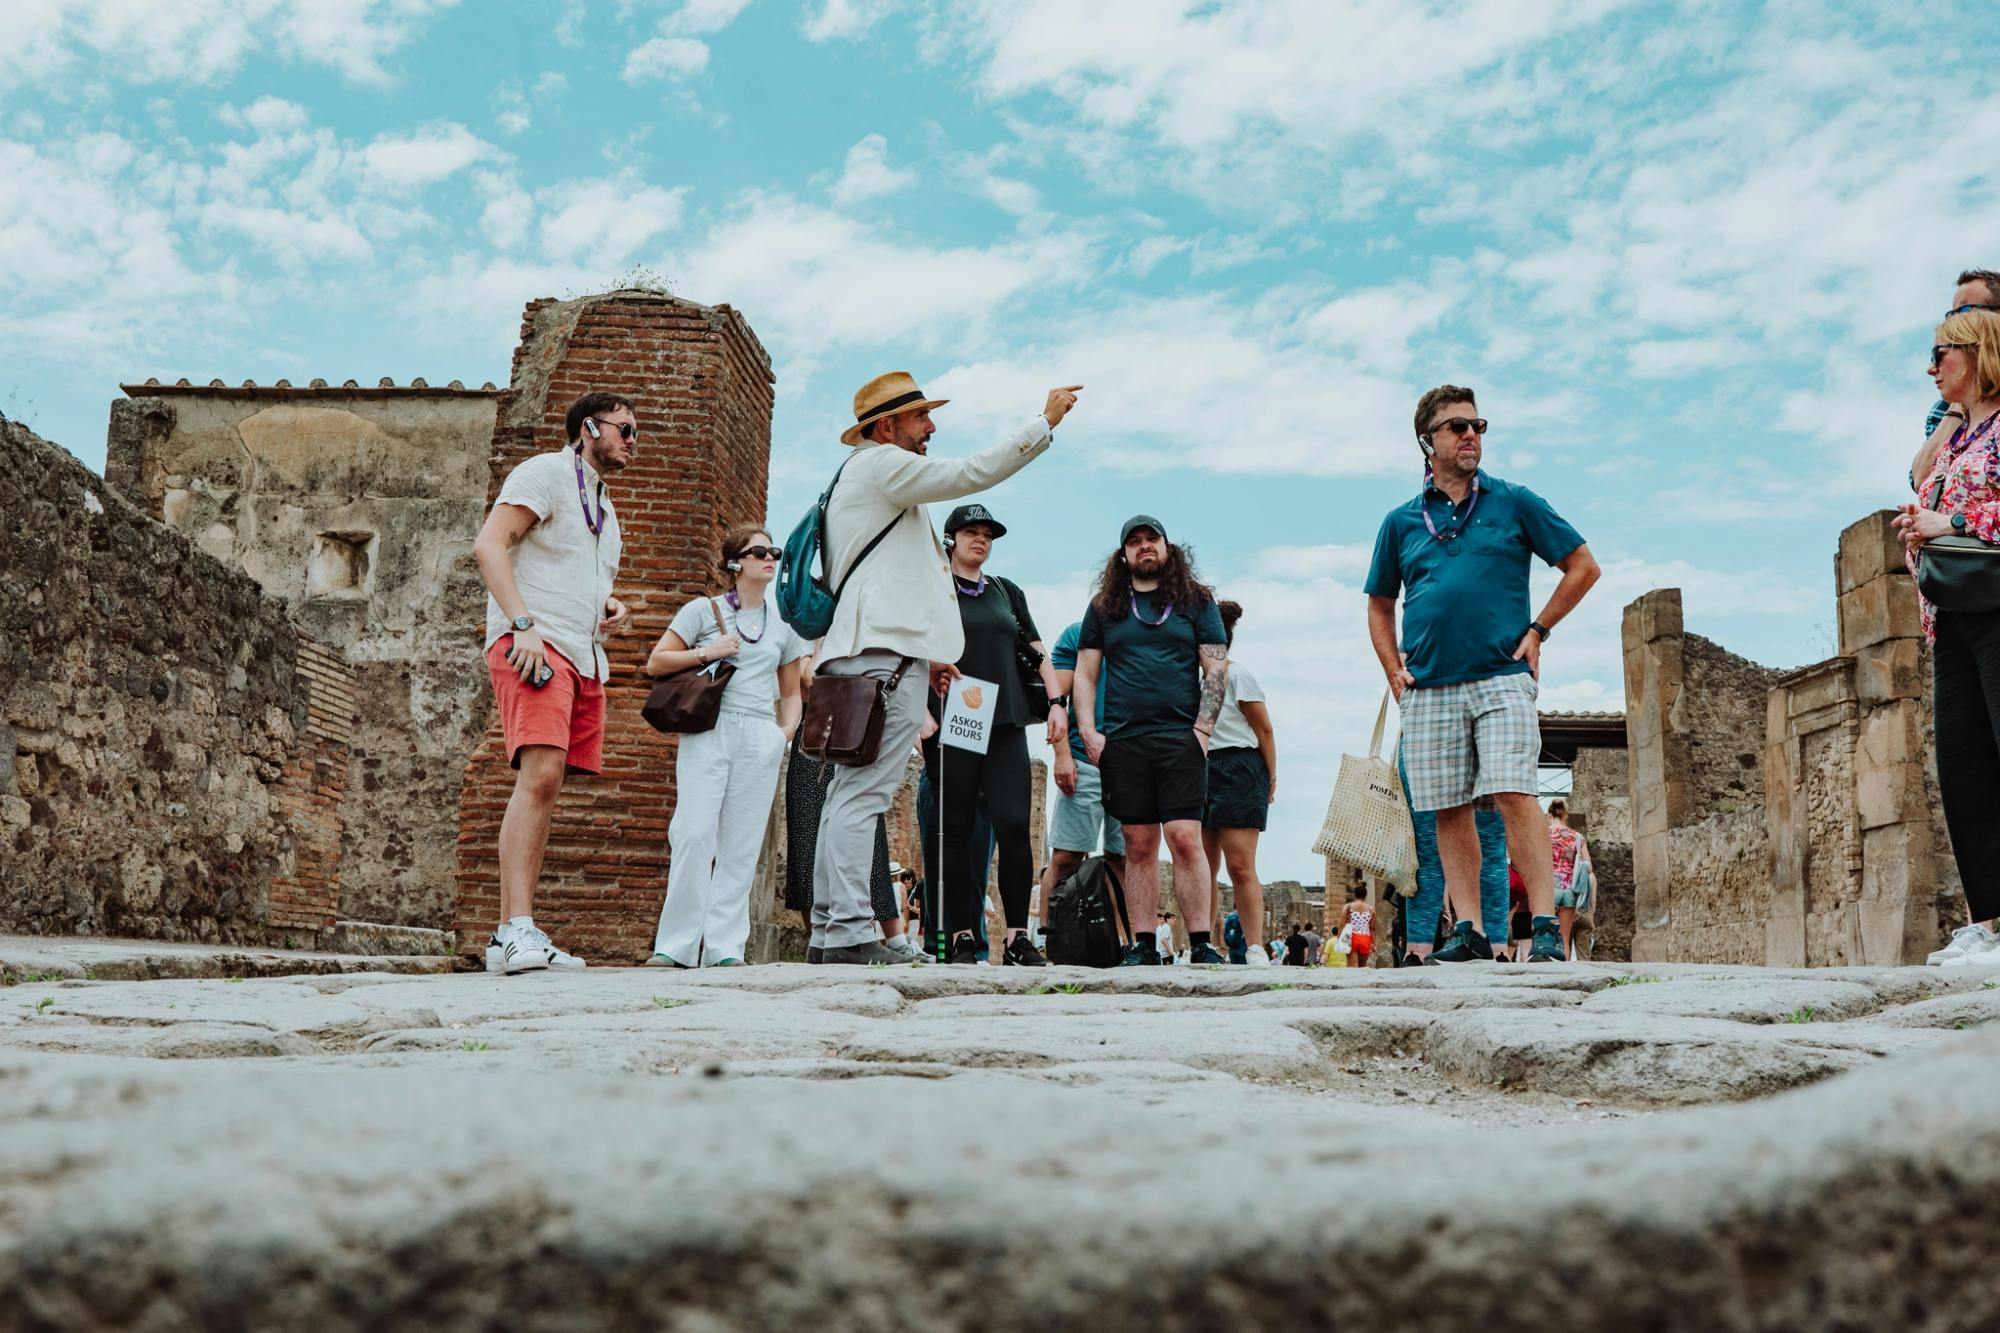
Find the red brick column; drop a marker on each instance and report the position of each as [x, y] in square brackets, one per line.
[701, 385]
[305, 893]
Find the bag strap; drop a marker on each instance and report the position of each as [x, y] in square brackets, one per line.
[866, 551]
[1118, 900]
[720, 630]
[1381, 720]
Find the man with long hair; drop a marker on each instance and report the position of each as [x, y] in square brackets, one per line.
[1153, 631]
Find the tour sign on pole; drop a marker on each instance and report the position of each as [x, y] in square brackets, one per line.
[967, 724]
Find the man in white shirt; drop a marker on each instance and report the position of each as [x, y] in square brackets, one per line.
[897, 603]
[549, 555]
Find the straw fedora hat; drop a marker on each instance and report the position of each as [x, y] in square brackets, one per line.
[885, 396]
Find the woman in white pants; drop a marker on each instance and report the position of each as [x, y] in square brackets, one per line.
[725, 777]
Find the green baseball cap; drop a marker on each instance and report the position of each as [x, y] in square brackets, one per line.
[1141, 521]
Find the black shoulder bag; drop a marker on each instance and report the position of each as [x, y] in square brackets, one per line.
[1027, 662]
[1958, 574]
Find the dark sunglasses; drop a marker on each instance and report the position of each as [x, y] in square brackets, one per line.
[1959, 310]
[1462, 426]
[1937, 352]
[776, 553]
[626, 429]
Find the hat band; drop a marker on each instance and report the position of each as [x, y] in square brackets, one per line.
[901, 400]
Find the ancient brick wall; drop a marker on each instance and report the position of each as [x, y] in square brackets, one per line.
[701, 385]
[358, 507]
[159, 762]
[1600, 807]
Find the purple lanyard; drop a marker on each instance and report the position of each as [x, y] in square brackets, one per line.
[1165, 615]
[736, 605]
[596, 525]
[963, 591]
[1450, 534]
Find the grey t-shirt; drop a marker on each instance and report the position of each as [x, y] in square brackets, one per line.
[754, 687]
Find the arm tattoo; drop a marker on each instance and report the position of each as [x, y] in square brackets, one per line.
[1214, 678]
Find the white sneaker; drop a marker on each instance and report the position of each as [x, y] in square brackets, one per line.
[904, 945]
[557, 958]
[1257, 956]
[1987, 957]
[517, 953]
[1965, 942]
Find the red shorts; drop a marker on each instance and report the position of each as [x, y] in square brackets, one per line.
[1361, 944]
[567, 713]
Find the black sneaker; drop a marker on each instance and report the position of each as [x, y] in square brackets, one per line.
[1411, 960]
[1021, 952]
[1547, 946]
[1466, 945]
[814, 953]
[1140, 956]
[964, 949]
[1203, 954]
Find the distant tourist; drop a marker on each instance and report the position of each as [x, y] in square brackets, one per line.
[1242, 783]
[1960, 496]
[998, 784]
[897, 612]
[1570, 857]
[548, 553]
[1467, 670]
[1358, 920]
[1078, 821]
[1295, 945]
[724, 777]
[1315, 946]
[1153, 632]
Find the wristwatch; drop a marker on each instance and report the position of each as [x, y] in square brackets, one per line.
[1539, 628]
[1958, 524]
[523, 623]
[1059, 701]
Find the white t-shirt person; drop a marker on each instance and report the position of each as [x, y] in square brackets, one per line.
[754, 687]
[1232, 729]
[563, 569]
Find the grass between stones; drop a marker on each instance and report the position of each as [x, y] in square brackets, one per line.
[665, 1003]
[1633, 979]
[1803, 1014]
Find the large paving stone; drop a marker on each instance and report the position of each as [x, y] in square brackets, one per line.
[1740, 999]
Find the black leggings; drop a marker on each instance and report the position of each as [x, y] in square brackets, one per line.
[1003, 778]
[1967, 679]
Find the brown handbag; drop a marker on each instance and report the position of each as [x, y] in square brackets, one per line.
[689, 699]
[845, 715]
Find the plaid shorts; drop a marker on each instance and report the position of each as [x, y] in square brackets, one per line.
[1472, 739]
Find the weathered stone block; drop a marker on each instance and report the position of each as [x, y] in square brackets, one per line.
[1652, 862]
[1890, 932]
[1869, 549]
[1656, 615]
[1785, 940]
[1893, 733]
[1898, 864]
[1888, 671]
[1888, 794]
[1881, 609]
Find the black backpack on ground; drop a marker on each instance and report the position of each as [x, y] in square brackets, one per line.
[1085, 913]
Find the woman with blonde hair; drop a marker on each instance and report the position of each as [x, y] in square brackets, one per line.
[726, 776]
[1961, 498]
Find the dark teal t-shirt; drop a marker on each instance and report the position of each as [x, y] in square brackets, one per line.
[1465, 601]
[1152, 673]
[1063, 658]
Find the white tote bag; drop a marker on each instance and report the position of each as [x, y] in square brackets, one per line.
[1368, 820]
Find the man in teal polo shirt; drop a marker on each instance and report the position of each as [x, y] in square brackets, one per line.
[1466, 673]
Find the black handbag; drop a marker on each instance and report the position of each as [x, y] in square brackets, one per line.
[1959, 574]
[1027, 662]
[690, 699]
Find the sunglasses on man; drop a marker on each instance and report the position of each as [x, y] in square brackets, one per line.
[1937, 352]
[1461, 426]
[776, 553]
[625, 429]
[1959, 310]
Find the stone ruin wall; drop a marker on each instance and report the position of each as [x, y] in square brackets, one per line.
[702, 387]
[356, 507]
[172, 749]
[1600, 804]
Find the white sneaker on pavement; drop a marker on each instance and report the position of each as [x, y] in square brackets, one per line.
[514, 947]
[1257, 956]
[907, 947]
[1966, 941]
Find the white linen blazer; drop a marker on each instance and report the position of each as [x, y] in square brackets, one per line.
[900, 598]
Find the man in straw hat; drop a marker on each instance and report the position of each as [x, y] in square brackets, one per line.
[897, 604]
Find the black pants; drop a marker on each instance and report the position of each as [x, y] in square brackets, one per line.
[1967, 665]
[1003, 778]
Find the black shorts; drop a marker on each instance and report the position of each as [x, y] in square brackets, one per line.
[1155, 778]
[1239, 789]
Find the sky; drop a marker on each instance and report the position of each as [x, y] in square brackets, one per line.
[1690, 255]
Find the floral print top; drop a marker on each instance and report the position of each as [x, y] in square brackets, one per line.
[1968, 466]
[1567, 844]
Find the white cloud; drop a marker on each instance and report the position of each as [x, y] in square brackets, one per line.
[666, 58]
[836, 19]
[701, 17]
[604, 222]
[867, 173]
[400, 162]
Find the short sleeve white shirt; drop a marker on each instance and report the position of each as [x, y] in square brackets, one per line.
[754, 687]
[1232, 729]
[563, 570]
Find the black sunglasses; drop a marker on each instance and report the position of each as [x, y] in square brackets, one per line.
[626, 429]
[1961, 309]
[1937, 352]
[1462, 426]
[776, 553]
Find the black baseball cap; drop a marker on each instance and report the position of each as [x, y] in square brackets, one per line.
[966, 515]
[1141, 521]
